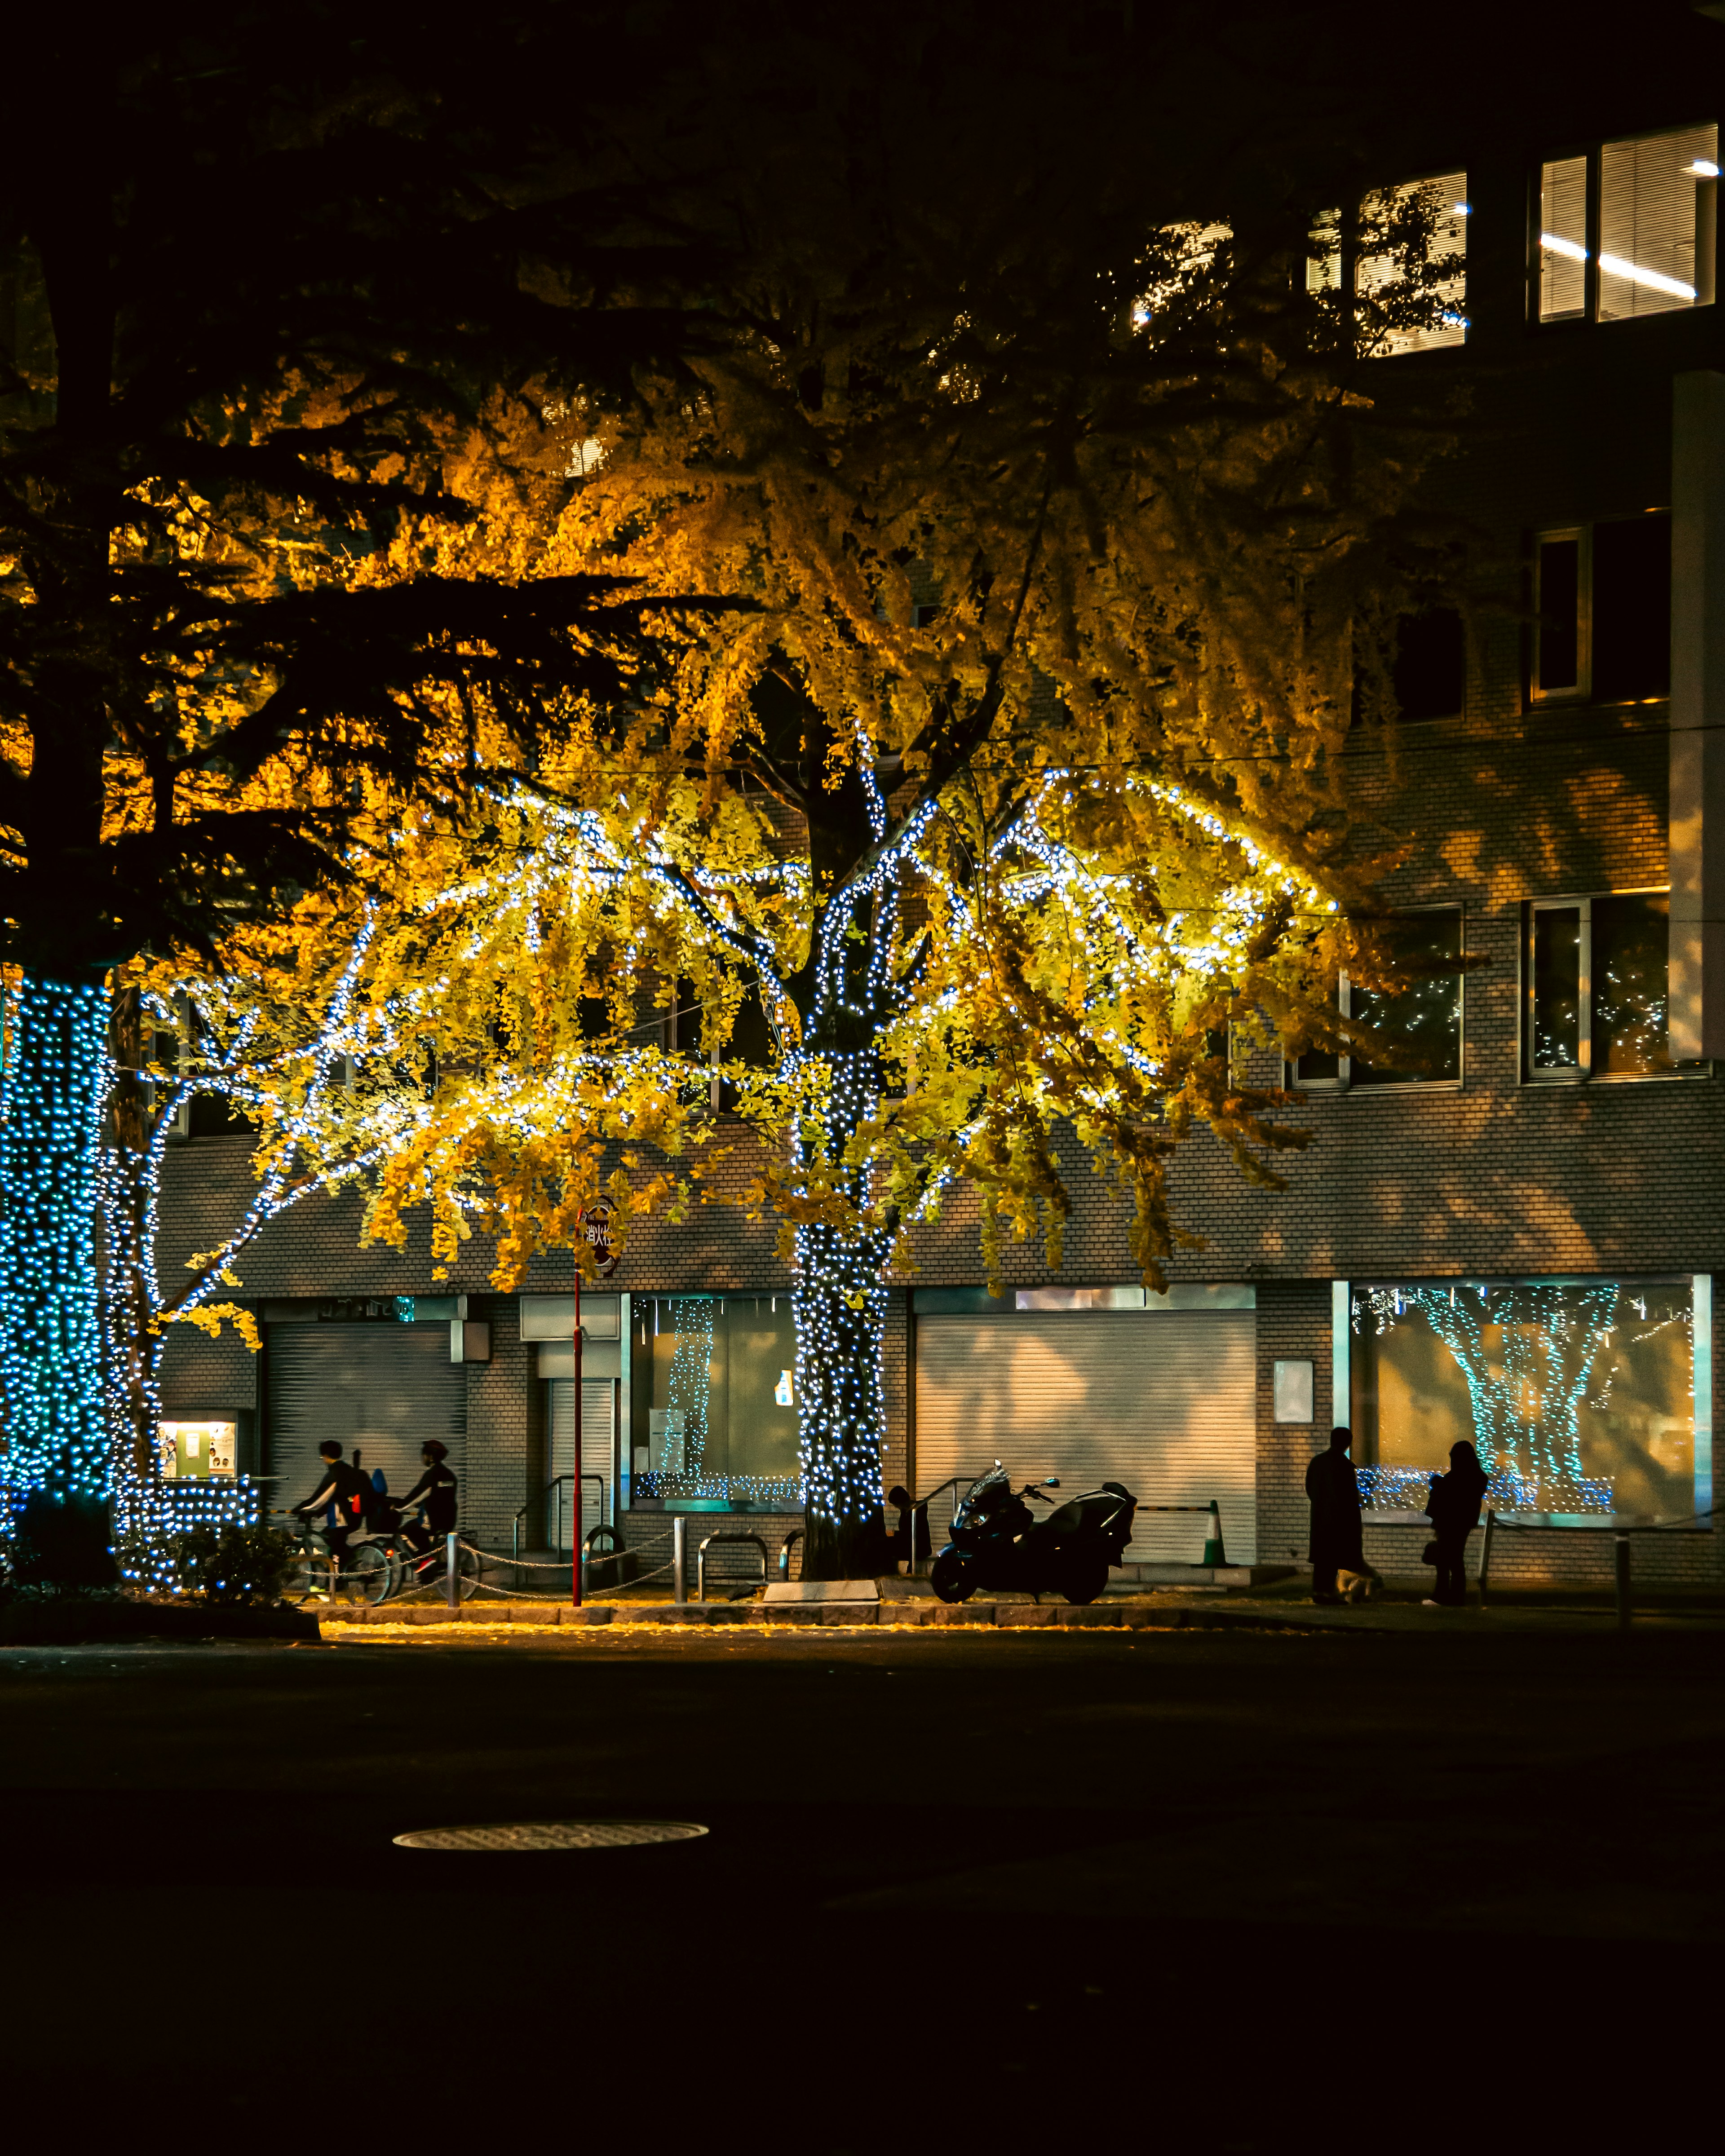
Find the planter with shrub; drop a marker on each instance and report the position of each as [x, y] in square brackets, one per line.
[64, 1584]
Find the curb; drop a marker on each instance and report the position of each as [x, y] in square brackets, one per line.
[761, 1616]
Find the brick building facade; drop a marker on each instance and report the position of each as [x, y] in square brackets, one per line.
[1597, 404]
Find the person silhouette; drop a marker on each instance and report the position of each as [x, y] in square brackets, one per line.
[1333, 1491]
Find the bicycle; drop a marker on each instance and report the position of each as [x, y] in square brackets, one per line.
[366, 1569]
[411, 1569]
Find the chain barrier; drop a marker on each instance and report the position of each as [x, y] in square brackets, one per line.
[497, 1562]
[1647, 1527]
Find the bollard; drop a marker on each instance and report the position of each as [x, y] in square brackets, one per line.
[1486, 1554]
[1621, 1554]
[679, 1526]
[452, 1578]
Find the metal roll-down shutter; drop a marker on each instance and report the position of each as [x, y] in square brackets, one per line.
[1163, 1401]
[599, 1438]
[382, 1388]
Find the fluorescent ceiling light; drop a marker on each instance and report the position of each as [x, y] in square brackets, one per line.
[1564, 246]
[1703, 169]
[1462, 209]
[1613, 265]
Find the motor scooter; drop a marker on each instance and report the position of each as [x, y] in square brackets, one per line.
[997, 1542]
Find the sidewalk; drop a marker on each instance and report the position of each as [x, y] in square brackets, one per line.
[1283, 1607]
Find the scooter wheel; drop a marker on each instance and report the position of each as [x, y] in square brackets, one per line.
[949, 1576]
[1085, 1580]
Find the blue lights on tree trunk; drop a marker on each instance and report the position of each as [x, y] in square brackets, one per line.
[50, 1165]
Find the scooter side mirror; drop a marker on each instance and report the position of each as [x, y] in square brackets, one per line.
[1050, 1482]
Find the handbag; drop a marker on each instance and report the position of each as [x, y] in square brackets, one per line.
[1429, 1555]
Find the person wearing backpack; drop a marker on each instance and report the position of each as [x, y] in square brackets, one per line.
[343, 1489]
[435, 1494]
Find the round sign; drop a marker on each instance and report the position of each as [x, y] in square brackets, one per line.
[596, 1230]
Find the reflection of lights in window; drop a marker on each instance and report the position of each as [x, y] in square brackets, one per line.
[1653, 279]
[1568, 248]
[784, 1392]
[1656, 280]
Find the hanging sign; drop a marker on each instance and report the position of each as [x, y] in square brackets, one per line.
[596, 1231]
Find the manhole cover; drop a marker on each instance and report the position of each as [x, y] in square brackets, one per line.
[553, 1833]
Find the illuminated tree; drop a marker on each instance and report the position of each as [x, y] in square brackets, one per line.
[1015, 811]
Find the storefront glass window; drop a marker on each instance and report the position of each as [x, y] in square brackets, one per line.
[713, 1413]
[1578, 1395]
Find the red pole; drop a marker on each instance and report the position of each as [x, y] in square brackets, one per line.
[575, 1569]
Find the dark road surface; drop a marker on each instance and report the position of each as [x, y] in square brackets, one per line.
[990, 1891]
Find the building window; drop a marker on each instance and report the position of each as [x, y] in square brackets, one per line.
[1429, 670]
[1596, 974]
[1581, 1397]
[713, 1415]
[1422, 1022]
[1629, 228]
[1410, 289]
[1603, 601]
[1404, 262]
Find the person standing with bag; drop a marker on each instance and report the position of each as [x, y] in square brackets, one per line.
[1454, 1507]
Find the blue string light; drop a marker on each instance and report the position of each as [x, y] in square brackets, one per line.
[51, 1388]
[1525, 1384]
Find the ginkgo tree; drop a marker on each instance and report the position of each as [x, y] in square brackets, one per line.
[1074, 538]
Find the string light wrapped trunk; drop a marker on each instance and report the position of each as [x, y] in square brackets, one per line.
[51, 1397]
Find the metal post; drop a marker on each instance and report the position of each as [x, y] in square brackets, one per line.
[1486, 1553]
[576, 1582]
[679, 1525]
[1622, 1557]
[451, 1578]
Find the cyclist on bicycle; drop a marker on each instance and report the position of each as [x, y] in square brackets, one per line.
[433, 1495]
[343, 1488]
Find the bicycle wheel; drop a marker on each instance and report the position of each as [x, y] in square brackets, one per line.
[312, 1580]
[368, 1572]
[467, 1572]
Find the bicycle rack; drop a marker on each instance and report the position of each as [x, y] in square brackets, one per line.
[587, 1550]
[922, 1539]
[555, 1540]
[700, 1559]
[784, 1551]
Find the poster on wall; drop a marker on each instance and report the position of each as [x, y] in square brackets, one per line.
[195, 1449]
[1578, 1395]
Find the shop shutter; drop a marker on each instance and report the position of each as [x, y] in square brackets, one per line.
[599, 1453]
[385, 1389]
[1162, 1401]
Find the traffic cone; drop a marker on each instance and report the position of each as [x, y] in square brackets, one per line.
[1213, 1553]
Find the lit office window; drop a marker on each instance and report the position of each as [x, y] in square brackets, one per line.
[1563, 240]
[1597, 986]
[1649, 224]
[1410, 280]
[1630, 228]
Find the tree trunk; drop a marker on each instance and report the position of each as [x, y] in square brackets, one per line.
[840, 1304]
[841, 1319]
[131, 1343]
[50, 1167]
